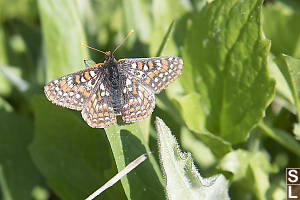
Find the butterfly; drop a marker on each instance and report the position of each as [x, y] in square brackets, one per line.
[125, 87]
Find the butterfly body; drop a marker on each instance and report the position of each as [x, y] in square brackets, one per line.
[113, 81]
[125, 87]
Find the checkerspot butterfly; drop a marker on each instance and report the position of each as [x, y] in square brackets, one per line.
[125, 87]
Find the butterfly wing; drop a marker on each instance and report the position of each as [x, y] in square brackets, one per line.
[156, 73]
[99, 112]
[73, 90]
[138, 100]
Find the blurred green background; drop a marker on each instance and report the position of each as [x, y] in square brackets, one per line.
[235, 107]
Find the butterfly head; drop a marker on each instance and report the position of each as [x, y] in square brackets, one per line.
[109, 57]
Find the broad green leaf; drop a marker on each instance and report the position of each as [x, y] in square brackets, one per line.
[290, 69]
[279, 22]
[62, 33]
[74, 158]
[18, 174]
[225, 57]
[194, 115]
[251, 170]
[127, 143]
[183, 181]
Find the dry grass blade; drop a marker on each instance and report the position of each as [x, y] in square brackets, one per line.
[117, 177]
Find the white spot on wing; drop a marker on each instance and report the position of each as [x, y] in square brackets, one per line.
[92, 73]
[139, 100]
[102, 86]
[128, 82]
[145, 67]
[82, 79]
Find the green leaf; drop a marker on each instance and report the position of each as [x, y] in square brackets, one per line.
[279, 22]
[165, 39]
[24, 9]
[290, 69]
[13, 74]
[74, 158]
[251, 171]
[225, 57]
[282, 137]
[63, 33]
[282, 87]
[127, 143]
[183, 179]
[18, 174]
[5, 86]
[5, 106]
[165, 13]
[194, 116]
[192, 144]
[296, 131]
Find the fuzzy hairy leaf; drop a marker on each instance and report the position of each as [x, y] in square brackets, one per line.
[183, 181]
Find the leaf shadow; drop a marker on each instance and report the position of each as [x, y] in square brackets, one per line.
[133, 148]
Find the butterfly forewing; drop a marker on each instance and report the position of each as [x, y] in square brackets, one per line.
[73, 90]
[157, 73]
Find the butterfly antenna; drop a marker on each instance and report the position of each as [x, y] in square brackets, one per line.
[130, 32]
[82, 44]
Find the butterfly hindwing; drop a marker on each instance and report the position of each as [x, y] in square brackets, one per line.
[99, 112]
[138, 100]
[157, 73]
